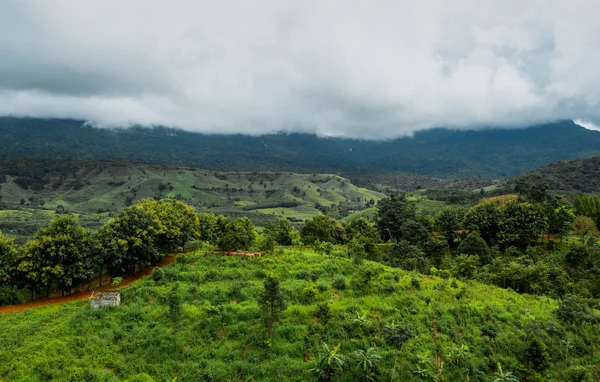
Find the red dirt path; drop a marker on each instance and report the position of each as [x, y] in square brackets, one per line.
[84, 295]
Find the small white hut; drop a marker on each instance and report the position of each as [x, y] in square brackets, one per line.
[101, 299]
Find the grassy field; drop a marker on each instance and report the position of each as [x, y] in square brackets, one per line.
[96, 187]
[454, 331]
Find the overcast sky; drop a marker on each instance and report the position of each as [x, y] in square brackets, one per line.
[372, 68]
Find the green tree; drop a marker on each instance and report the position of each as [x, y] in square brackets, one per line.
[8, 259]
[330, 363]
[536, 354]
[178, 223]
[560, 218]
[533, 187]
[239, 235]
[407, 256]
[57, 254]
[486, 219]
[174, 303]
[584, 227]
[324, 229]
[283, 232]
[393, 213]
[473, 244]
[367, 363]
[448, 223]
[362, 227]
[273, 304]
[521, 224]
[128, 240]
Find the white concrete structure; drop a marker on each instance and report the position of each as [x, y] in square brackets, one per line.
[101, 299]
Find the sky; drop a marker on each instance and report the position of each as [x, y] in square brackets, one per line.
[364, 68]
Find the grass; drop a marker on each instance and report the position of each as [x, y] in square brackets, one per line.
[221, 335]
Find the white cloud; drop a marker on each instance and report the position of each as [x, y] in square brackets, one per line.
[377, 68]
[587, 124]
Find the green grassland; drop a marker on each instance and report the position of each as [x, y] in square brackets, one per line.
[460, 330]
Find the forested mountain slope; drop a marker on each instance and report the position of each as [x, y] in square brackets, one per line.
[436, 152]
[576, 175]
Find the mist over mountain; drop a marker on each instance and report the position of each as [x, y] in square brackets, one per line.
[435, 152]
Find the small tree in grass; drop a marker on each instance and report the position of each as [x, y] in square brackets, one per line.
[272, 303]
[174, 303]
[330, 364]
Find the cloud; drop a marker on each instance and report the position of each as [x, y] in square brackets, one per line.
[369, 69]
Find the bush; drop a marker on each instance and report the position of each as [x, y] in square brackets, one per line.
[415, 283]
[117, 281]
[340, 283]
[157, 274]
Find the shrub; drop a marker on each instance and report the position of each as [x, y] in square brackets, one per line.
[340, 283]
[415, 283]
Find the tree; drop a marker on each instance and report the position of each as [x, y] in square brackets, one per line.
[56, 254]
[536, 355]
[448, 223]
[128, 240]
[207, 225]
[465, 266]
[324, 229]
[174, 303]
[475, 245]
[8, 258]
[362, 227]
[533, 187]
[407, 256]
[486, 219]
[504, 376]
[583, 227]
[239, 235]
[393, 213]
[521, 224]
[560, 218]
[330, 364]
[273, 304]
[178, 223]
[283, 232]
[367, 363]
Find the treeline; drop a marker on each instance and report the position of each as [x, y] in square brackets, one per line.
[510, 242]
[533, 243]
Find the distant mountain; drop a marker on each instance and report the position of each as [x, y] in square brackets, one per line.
[575, 175]
[435, 152]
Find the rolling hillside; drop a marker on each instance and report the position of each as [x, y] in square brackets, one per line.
[421, 328]
[32, 190]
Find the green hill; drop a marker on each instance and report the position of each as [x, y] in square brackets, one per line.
[581, 175]
[97, 188]
[422, 328]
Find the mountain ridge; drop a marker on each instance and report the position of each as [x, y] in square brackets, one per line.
[436, 152]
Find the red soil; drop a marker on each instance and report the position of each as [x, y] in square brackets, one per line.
[86, 294]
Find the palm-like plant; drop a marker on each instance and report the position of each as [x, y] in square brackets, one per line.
[366, 363]
[330, 363]
[360, 322]
[502, 376]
